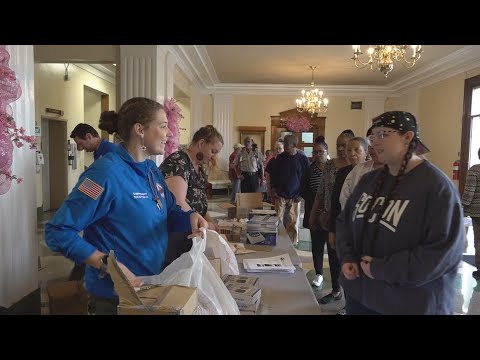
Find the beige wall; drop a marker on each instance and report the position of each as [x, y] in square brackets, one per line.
[256, 111]
[207, 112]
[185, 123]
[75, 53]
[92, 109]
[440, 119]
[52, 91]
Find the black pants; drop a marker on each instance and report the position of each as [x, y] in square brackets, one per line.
[319, 238]
[353, 307]
[249, 183]
[77, 273]
[102, 306]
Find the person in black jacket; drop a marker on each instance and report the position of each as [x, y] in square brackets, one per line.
[310, 182]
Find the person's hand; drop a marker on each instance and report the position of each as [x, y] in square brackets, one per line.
[332, 240]
[350, 270]
[240, 177]
[136, 282]
[365, 264]
[198, 223]
[213, 226]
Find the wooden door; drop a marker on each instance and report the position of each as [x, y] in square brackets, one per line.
[305, 139]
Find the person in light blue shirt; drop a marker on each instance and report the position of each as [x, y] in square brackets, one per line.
[122, 203]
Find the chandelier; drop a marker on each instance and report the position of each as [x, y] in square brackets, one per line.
[380, 57]
[312, 101]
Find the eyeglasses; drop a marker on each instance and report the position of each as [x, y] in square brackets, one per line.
[320, 152]
[381, 134]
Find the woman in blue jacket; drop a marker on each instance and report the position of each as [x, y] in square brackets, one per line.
[122, 203]
[400, 237]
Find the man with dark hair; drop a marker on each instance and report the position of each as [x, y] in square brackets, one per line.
[87, 138]
[285, 181]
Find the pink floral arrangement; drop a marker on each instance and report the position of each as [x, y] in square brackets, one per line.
[298, 123]
[174, 115]
[10, 91]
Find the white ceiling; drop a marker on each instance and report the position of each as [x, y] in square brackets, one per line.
[289, 64]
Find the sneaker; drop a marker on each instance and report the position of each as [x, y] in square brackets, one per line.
[476, 274]
[331, 298]
[317, 280]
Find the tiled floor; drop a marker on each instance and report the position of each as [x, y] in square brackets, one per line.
[54, 266]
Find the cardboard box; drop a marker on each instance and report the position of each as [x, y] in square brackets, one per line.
[151, 300]
[244, 203]
[67, 298]
[246, 297]
[240, 280]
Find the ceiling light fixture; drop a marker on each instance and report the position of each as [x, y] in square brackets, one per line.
[312, 101]
[381, 57]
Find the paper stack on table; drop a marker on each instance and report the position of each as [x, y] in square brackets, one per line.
[276, 264]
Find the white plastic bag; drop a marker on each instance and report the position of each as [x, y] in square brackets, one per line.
[217, 247]
[194, 270]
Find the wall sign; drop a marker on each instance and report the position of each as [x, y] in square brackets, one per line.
[356, 105]
[54, 111]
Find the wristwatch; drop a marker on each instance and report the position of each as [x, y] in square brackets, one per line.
[103, 266]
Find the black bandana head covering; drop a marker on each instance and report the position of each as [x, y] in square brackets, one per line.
[402, 121]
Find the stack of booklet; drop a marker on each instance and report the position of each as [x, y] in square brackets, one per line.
[274, 264]
[262, 229]
[245, 291]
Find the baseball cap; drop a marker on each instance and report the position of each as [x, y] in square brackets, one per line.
[403, 121]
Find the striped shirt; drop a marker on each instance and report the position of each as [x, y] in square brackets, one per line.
[315, 178]
[471, 194]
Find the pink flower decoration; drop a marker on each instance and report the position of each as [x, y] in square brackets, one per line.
[174, 115]
[10, 91]
[298, 123]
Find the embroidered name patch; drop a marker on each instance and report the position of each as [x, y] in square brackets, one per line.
[90, 188]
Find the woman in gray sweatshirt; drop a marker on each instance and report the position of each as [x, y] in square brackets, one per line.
[400, 237]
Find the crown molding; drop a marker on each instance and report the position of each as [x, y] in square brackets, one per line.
[460, 61]
[195, 62]
[98, 70]
[294, 90]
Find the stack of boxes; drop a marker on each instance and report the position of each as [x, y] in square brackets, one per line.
[262, 229]
[245, 292]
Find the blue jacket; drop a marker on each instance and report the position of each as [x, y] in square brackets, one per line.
[104, 148]
[113, 202]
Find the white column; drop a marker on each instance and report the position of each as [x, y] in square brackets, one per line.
[374, 106]
[196, 110]
[18, 213]
[222, 121]
[147, 71]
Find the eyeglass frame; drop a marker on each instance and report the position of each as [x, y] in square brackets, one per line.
[380, 135]
[320, 152]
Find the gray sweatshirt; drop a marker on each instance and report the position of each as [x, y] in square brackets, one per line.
[418, 247]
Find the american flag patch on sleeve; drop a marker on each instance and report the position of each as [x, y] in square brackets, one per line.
[90, 188]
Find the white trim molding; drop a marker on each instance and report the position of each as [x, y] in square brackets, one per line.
[196, 64]
[98, 70]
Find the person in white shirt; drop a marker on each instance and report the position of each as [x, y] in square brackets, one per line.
[358, 171]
